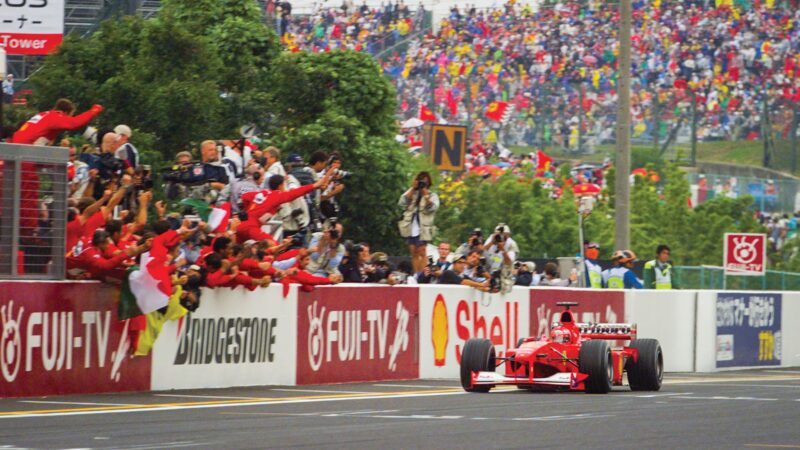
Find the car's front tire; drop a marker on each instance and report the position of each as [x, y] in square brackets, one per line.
[478, 356]
[647, 373]
[595, 360]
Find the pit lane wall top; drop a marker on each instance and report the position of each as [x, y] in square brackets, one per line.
[64, 337]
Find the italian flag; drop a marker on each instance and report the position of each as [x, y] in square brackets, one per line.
[151, 284]
[216, 217]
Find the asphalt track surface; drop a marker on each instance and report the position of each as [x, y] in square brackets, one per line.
[743, 409]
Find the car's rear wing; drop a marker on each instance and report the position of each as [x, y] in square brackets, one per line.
[610, 331]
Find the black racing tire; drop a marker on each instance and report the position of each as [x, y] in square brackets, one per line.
[648, 372]
[478, 356]
[595, 360]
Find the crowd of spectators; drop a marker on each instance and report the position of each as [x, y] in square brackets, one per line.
[347, 27]
[555, 65]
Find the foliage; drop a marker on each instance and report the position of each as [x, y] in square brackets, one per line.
[544, 227]
[203, 68]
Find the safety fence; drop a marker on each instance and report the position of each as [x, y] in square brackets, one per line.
[63, 337]
[705, 277]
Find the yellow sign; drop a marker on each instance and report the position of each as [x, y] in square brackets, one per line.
[447, 145]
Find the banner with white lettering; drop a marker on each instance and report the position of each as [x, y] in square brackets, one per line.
[64, 338]
[236, 337]
[31, 27]
[357, 333]
[748, 329]
[450, 315]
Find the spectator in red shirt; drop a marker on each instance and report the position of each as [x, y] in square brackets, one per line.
[300, 276]
[265, 203]
[89, 262]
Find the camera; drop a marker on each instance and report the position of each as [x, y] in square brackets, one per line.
[421, 184]
[298, 239]
[498, 238]
[193, 218]
[341, 174]
[333, 233]
[146, 177]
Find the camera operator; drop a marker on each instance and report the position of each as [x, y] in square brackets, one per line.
[476, 267]
[326, 251]
[434, 269]
[474, 243]
[383, 273]
[250, 183]
[501, 252]
[206, 180]
[125, 151]
[356, 267]
[551, 277]
[209, 154]
[419, 205]
[328, 206]
[458, 275]
[525, 274]
[295, 214]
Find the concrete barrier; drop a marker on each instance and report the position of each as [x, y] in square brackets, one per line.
[63, 337]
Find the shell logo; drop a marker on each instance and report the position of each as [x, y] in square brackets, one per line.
[440, 331]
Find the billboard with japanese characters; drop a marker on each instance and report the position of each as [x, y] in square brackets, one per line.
[31, 27]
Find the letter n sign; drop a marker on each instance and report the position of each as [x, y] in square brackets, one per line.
[448, 145]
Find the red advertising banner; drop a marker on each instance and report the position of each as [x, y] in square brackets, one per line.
[64, 338]
[30, 44]
[596, 306]
[357, 334]
[745, 254]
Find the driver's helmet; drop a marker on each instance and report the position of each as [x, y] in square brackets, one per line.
[561, 335]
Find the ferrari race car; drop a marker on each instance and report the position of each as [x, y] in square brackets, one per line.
[575, 356]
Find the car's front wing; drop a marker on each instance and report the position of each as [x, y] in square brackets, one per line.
[571, 380]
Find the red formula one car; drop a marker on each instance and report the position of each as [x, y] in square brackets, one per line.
[576, 356]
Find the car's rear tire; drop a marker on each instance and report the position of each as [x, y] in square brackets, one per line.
[595, 360]
[478, 356]
[647, 373]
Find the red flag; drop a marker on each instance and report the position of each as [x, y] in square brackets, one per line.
[496, 110]
[426, 114]
[543, 162]
[451, 103]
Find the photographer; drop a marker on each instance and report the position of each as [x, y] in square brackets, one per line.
[326, 251]
[328, 206]
[294, 214]
[458, 275]
[355, 267]
[474, 243]
[476, 267]
[434, 269]
[206, 180]
[525, 274]
[419, 205]
[501, 252]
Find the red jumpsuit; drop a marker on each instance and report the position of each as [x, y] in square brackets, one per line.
[259, 203]
[47, 124]
[91, 260]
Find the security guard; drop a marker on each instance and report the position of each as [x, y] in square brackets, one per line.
[658, 272]
[592, 269]
[621, 276]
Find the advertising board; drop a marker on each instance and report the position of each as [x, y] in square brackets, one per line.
[748, 329]
[595, 306]
[64, 338]
[450, 315]
[236, 338]
[31, 27]
[357, 333]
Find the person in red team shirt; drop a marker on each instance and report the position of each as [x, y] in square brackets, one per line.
[298, 274]
[259, 204]
[43, 129]
[90, 261]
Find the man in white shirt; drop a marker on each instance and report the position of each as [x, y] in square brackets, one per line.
[501, 251]
[274, 166]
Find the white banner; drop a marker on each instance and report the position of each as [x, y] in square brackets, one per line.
[236, 338]
[31, 27]
[450, 315]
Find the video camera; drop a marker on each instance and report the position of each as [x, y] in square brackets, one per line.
[192, 174]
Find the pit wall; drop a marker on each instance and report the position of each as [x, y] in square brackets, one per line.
[63, 337]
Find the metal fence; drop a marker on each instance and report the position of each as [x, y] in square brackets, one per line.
[33, 210]
[778, 195]
[705, 277]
